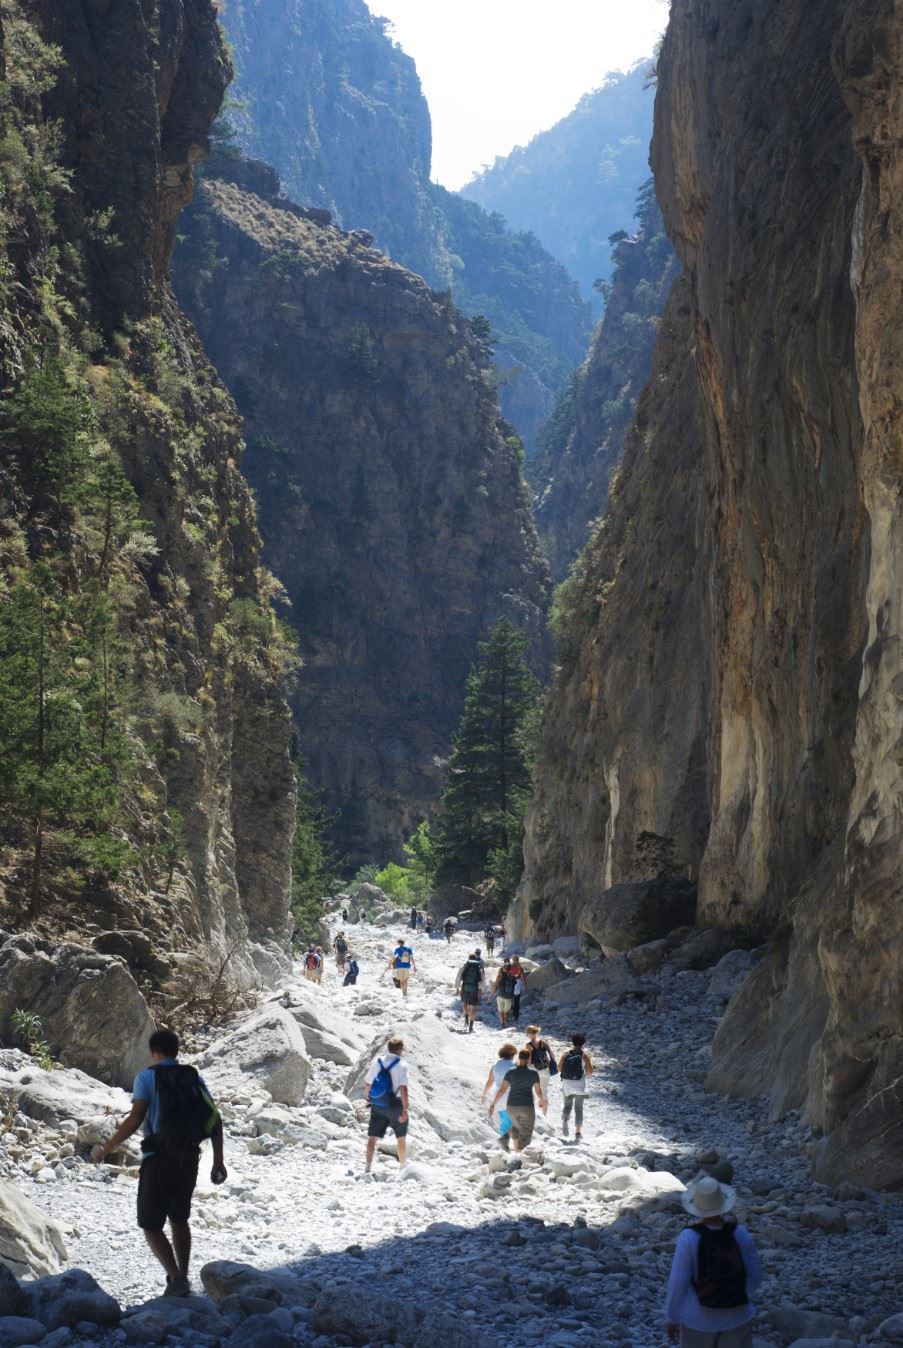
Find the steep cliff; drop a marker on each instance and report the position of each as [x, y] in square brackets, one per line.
[391, 498]
[575, 184]
[327, 98]
[146, 780]
[728, 673]
[582, 443]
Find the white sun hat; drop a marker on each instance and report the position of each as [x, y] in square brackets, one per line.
[706, 1197]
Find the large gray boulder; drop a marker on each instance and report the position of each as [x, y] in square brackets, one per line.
[610, 980]
[329, 1031]
[92, 1011]
[631, 914]
[30, 1243]
[730, 973]
[71, 1298]
[265, 1050]
[550, 973]
[366, 899]
[56, 1097]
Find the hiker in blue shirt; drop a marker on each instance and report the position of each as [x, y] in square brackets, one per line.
[402, 965]
[171, 1104]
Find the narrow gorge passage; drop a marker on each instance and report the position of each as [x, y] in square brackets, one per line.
[572, 1248]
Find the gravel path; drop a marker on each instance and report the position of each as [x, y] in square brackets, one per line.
[547, 1254]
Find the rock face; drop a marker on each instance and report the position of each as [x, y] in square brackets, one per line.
[582, 445]
[392, 503]
[93, 1015]
[728, 671]
[336, 107]
[211, 816]
[30, 1244]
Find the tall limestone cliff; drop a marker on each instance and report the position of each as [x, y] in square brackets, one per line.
[325, 96]
[582, 443]
[146, 777]
[729, 670]
[391, 498]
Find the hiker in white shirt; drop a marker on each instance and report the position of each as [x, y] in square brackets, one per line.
[387, 1096]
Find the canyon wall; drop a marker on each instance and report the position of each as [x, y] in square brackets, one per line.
[731, 647]
[106, 390]
[392, 502]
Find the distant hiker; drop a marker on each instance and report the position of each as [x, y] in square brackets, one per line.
[171, 1104]
[344, 914]
[402, 965]
[387, 1096]
[478, 954]
[520, 1086]
[413, 919]
[504, 992]
[542, 1059]
[489, 938]
[321, 964]
[520, 983]
[449, 929]
[498, 1071]
[420, 921]
[340, 945]
[428, 924]
[469, 983]
[715, 1268]
[353, 970]
[311, 965]
[574, 1066]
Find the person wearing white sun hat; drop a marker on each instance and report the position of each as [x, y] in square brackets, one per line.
[715, 1269]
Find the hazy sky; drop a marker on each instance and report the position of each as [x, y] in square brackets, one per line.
[497, 71]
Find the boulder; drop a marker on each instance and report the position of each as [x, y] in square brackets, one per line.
[367, 899]
[10, 1293]
[329, 1031]
[891, 1329]
[70, 1298]
[567, 947]
[552, 972]
[701, 950]
[56, 1097]
[824, 1217]
[224, 1278]
[611, 980]
[539, 952]
[93, 1014]
[730, 973]
[797, 1322]
[30, 1243]
[652, 1188]
[16, 1331]
[833, 1342]
[645, 959]
[266, 1049]
[631, 914]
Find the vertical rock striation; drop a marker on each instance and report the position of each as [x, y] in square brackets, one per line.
[749, 556]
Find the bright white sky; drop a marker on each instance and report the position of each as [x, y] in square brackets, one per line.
[495, 72]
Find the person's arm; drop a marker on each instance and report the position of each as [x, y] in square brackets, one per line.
[501, 1091]
[129, 1125]
[681, 1276]
[218, 1171]
[403, 1097]
[751, 1261]
[587, 1064]
[561, 1063]
[487, 1088]
[540, 1097]
[369, 1080]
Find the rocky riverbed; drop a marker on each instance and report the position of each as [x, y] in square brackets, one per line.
[569, 1244]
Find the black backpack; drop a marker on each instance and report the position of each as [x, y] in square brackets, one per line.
[187, 1114]
[471, 975]
[720, 1281]
[541, 1056]
[507, 985]
[572, 1069]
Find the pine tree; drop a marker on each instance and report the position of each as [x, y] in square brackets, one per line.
[490, 768]
[313, 863]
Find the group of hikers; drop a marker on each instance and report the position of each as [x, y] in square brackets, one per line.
[715, 1267]
[508, 988]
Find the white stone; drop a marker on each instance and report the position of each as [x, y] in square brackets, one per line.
[30, 1243]
[267, 1050]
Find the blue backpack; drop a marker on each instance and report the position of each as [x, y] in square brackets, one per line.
[381, 1092]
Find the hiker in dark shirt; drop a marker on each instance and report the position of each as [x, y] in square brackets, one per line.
[520, 1086]
[168, 1177]
[353, 970]
[468, 985]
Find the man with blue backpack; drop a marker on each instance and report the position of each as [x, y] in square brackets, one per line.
[171, 1104]
[402, 965]
[387, 1096]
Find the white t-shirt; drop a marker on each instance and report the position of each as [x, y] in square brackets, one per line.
[398, 1073]
[501, 1069]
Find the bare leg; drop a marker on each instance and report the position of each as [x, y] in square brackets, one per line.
[402, 1151]
[371, 1151]
[181, 1244]
[159, 1243]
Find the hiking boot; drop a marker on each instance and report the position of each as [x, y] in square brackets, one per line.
[177, 1287]
[505, 1142]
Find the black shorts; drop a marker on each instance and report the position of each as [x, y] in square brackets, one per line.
[165, 1189]
[383, 1119]
[470, 996]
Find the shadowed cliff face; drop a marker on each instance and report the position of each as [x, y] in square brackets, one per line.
[761, 585]
[139, 83]
[391, 498]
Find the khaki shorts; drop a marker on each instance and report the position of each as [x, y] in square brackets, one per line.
[503, 1004]
[523, 1121]
[403, 975]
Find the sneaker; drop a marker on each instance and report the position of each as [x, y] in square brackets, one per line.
[505, 1142]
[177, 1287]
